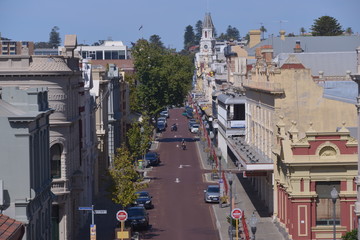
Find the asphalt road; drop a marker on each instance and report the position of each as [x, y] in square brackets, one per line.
[177, 187]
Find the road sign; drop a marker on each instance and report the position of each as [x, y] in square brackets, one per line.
[85, 208]
[236, 213]
[92, 232]
[100, 211]
[121, 215]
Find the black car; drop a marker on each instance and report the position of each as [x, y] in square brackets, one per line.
[138, 218]
[144, 200]
[152, 159]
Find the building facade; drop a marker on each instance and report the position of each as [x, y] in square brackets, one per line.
[26, 179]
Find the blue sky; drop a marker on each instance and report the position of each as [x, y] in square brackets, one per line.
[93, 20]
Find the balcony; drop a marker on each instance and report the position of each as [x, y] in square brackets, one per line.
[271, 87]
[60, 186]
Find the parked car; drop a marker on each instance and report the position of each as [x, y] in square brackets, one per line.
[194, 128]
[160, 126]
[152, 158]
[138, 218]
[165, 113]
[192, 121]
[144, 200]
[163, 119]
[212, 194]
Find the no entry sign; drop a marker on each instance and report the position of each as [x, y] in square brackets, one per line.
[236, 213]
[121, 215]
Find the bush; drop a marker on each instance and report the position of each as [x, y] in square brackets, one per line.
[352, 235]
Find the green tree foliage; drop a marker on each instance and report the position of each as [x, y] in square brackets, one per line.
[42, 45]
[139, 137]
[125, 178]
[231, 33]
[302, 31]
[352, 235]
[349, 31]
[189, 37]
[326, 26]
[263, 31]
[156, 72]
[156, 41]
[98, 43]
[54, 37]
[198, 32]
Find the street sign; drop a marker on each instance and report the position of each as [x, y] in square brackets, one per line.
[85, 208]
[100, 211]
[121, 215]
[92, 232]
[236, 213]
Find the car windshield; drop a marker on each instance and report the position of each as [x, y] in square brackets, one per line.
[143, 195]
[135, 212]
[213, 189]
[195, 126]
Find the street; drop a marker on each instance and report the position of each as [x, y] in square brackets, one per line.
[177, 186]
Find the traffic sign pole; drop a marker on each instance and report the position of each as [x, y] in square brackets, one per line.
[92, 226]
[237, 229]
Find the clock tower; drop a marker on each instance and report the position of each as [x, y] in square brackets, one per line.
[207, 38]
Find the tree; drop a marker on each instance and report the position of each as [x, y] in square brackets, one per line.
[263, 31]
[98, 43]
[54, 37]
[198, 32]
[352, 235]
[156, 41]
[42, 45]
[349, 31]
[189, 37]
[302, 31]
[326, 26]
[164, 77]
[232, 33]
[125, 178]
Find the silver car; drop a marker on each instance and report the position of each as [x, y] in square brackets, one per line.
[212, 194]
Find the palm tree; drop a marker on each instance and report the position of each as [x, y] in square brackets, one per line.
[302, 30]
[349, 31]
[263, 30]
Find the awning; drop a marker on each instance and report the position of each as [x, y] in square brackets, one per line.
[11, 229]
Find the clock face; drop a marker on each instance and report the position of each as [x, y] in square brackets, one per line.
[206, 46]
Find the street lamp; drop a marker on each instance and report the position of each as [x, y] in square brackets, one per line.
[230, 177]
[218, 154]
[334, 195]
[253, 222]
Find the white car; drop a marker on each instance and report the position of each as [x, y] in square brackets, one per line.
[194, 128]
[163, 119]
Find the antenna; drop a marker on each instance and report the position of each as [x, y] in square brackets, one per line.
[207, 5]
[280, 23]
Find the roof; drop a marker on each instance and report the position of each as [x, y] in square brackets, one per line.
[344, 91]
[48, 63]
[207, 23]
[230, 99]
[330, 63]
[310, 44]
[10, 229]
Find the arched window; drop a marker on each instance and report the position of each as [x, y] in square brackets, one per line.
[205, 34]
[55, 155]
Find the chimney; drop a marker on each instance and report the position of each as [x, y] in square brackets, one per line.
[254, 37]
[298, 48]
[70, 44]
[267, 53]
[282, 34]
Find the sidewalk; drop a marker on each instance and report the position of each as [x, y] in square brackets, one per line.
[245, 199]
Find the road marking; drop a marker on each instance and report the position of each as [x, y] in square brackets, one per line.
[181, 166]
[177, 180]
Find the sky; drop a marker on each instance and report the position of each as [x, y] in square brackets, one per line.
[120, 20]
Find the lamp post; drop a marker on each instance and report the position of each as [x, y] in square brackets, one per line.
[230, 179]
[334, 195]
[253, 222]
[218, 154]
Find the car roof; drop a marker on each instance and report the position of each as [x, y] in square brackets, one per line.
[141, 192]
[213, 186]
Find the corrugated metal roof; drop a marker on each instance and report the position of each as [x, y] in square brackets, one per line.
[331, 63]
[344, 91]
[310, 44]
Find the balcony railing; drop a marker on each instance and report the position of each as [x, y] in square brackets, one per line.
[60, 186]
[265, 86]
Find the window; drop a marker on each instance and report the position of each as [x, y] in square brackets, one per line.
[325, 205]
[99, 55]
[114, 55]
[239, 112]
[92, 54]
[55, 154]
[107, 54]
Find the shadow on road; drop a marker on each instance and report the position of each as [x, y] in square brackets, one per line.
[178, 139]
